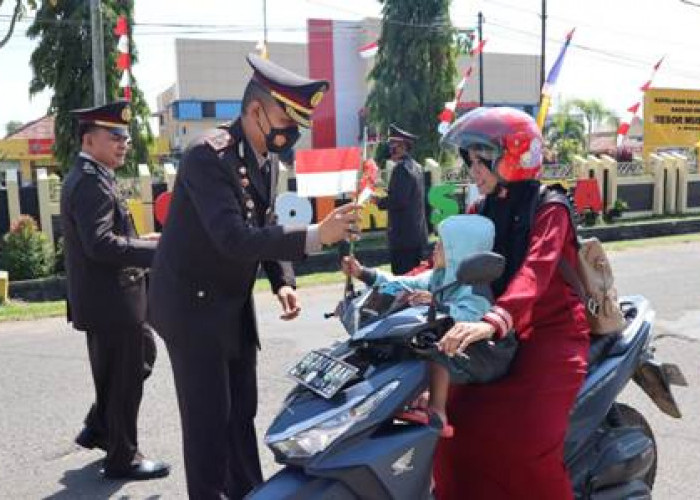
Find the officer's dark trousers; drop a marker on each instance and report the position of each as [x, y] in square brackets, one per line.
[120, 359]
[217, 396]
[404, 259]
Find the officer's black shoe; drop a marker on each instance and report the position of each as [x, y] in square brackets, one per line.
[90, 439]
[140, 471]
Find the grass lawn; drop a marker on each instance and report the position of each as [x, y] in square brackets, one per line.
[17, 310]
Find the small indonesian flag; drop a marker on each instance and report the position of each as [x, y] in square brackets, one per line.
[369, 50]
[327, 172]
[368, 181]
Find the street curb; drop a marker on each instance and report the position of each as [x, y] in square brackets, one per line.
[54, 288]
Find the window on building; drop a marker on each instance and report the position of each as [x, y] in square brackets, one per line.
[208, 109]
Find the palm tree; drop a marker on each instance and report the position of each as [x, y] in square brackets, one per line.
[594, 113]
[565, 134]
[564, 126]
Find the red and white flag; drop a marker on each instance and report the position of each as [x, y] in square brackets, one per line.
[625, 124]
[368, 181]
[369, 50]
[327, 172]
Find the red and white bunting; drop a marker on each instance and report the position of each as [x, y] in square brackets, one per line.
[369, 50]
[448, 113]
[123, 57]
[624, 127]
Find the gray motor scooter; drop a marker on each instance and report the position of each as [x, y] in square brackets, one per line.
[340, 433]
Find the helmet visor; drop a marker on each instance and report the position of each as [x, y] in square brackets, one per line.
[471, 145]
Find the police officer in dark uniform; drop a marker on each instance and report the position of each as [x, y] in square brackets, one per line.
[105, 264]
[405, 202]
[219, 231]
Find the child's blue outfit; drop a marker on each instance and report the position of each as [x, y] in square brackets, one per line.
[461, 236]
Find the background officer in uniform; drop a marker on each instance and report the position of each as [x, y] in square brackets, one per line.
[105, 262]
[217, 234]
[405, 202]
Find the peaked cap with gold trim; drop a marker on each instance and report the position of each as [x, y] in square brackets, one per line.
[114, 116]
[397, 134]
[297, 95]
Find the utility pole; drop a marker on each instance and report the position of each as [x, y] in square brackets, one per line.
[265, 22]
[481, 59]
[98, 55]
[544, 37]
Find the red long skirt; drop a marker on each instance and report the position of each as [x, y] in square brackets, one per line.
[509, 435]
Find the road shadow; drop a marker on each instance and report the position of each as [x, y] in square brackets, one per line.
[87, 482]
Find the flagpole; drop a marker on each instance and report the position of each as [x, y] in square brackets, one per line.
[349, 288]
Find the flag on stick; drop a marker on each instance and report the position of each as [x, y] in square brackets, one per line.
[550, 82]
[327, 172]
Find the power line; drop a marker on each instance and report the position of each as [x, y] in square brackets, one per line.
[601, 54]
[597, 27]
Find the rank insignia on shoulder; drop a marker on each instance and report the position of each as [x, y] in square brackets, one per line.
[218, 139]
[89, 168]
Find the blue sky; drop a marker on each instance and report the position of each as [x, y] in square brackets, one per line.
[615, 45]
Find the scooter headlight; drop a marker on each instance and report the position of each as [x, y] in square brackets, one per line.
[316, 439]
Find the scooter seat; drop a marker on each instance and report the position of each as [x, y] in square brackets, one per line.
[600, 347]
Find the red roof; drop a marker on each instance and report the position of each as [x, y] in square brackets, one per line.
[43, 128]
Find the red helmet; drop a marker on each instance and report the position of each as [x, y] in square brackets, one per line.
[508, 138]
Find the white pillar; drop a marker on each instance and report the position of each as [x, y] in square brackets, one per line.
[656, 165]
[169, 173]
[12, 184]
[609, 164]
[44, 196]
[282, 179]
[681, 183]
[670, 187]
[146, 197]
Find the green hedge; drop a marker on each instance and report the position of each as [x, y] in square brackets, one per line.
[25, 252]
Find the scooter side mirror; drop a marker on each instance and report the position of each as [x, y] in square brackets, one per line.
[481, 268]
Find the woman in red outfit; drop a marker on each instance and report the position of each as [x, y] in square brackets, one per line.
[509, 435]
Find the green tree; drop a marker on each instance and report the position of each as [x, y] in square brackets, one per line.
[565, 135]
[414, 70]
[18, 12]
[63, 62]
[12, 126]
[594, 113]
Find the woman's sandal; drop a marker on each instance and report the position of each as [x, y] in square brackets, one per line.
[422, 416]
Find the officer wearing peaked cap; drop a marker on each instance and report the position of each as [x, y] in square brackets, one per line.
[105, 264]
[217, 235]
[405, 202]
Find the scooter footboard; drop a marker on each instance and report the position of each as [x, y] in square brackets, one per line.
[293, 484]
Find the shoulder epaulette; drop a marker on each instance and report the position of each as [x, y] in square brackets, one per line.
[218, 139]
[89, 168]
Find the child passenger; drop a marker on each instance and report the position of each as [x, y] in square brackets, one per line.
[459, 237]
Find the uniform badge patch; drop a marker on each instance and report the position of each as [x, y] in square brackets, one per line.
[218, 139]
[89, 168]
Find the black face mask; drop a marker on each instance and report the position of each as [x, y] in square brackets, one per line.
[291, 136]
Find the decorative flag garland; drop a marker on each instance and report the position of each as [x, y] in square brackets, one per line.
[550, 82]
[624, 127]
[448, 113]
[369, 50]
[123, 57]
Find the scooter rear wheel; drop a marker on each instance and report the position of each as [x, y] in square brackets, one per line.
[625, 415]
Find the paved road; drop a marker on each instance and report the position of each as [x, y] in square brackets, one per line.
[45, 389]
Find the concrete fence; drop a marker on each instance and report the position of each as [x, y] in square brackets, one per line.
[665, 183]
